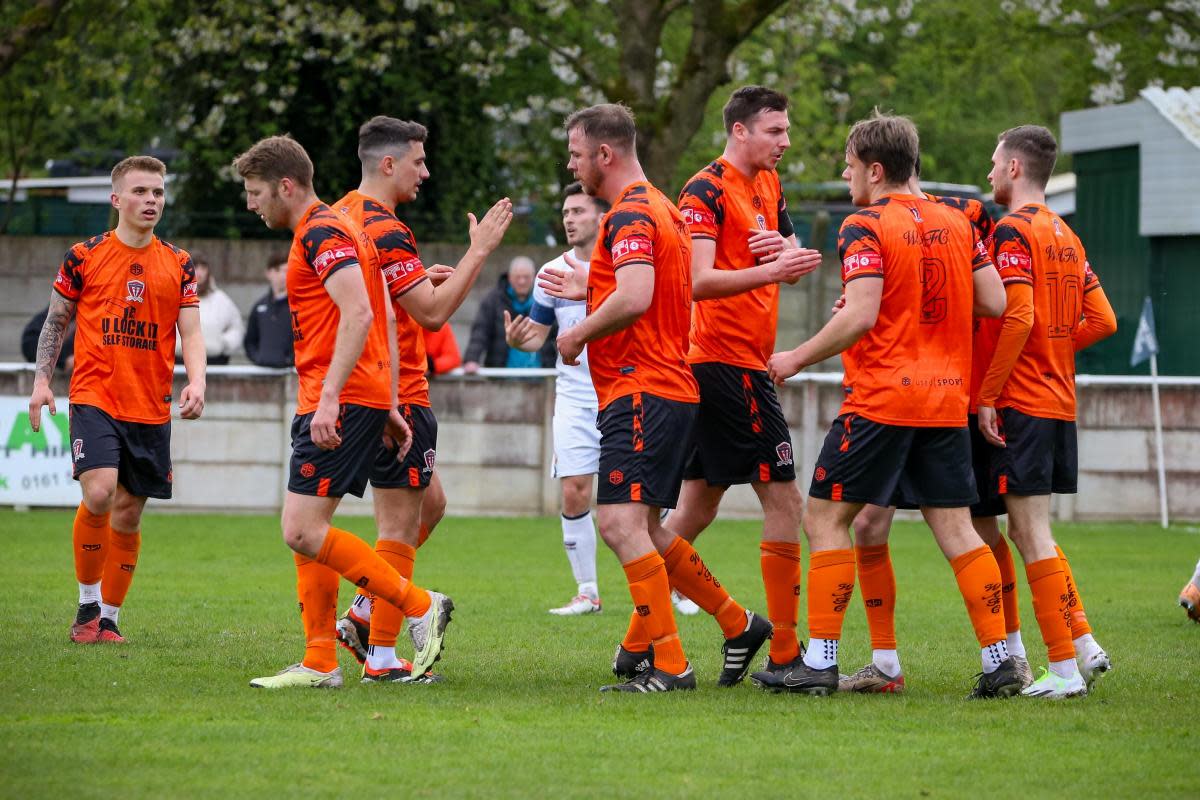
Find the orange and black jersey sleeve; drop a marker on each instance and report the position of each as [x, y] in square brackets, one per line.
[1013, 252]
[786, 228]
[859, 246]
[629, 234]
[327, 246]
[69, 280]
[399, 258]
[975, 212]
[702, 202]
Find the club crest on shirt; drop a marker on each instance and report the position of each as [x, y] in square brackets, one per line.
[762, 222]
[430, 457]
[136, 292]
[77, 449]
[784, 451]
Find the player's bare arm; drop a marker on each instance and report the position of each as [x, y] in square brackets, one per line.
[439, 273]
[565, 284]
[787, 265]
[845, 328]
[195, 361]
[349, 293]
[50, 342]
[631, 298]
[432, 305]
[523, 333]
[990, 299]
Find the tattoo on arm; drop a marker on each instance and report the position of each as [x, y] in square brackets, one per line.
[54, 331]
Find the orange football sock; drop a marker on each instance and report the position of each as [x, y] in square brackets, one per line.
[119, 566]
[423, 534]
[689, 575]
[877, 580]
[636, 640]
[89, 536]
[317, 587]
[978, 578]
[780, 563]
[651, 592]
[830, 584]
[386, 619]
[1008, 580]
[1050, 605]
[354, 560]
[1079, 620]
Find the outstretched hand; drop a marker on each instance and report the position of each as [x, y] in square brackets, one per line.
[568, 284]
[487, 233]
[519, 331]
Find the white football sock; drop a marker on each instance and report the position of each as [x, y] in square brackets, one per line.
[993, 656]
[89, 593]
[590, 589]
[579, 540]
[1196, 576]
[380, 657]
[1015, 646]
[887, 661]
[821, 653]
[362, 607]
[109, 612]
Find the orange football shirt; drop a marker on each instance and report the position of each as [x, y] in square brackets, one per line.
[650, 356]
[127, 306]
[987, 329]
[325, 242]
[402, 270]
[1033, 245]
[722, 204]
[913, 368]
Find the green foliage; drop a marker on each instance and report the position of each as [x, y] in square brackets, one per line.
[213, 605]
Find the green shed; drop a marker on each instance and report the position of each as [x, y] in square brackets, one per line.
[1137, 210]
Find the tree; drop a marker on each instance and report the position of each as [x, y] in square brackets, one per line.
[28, 26]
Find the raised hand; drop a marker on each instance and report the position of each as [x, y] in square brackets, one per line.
[518, 331]
[568, 284]
[487, 233]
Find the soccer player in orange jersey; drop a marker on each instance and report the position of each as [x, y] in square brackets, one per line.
[128, 291]
[914, 273]
[346, 403]
[638, 309]
[872, 526]
[1055, 307]
[392, 153]
[743, 248]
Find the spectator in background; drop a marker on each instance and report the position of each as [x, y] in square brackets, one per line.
[29, 341]
[268, 339]
[220, 320]
[514, 294]
[441, 350]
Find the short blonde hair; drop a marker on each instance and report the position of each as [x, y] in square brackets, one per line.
[137, 164]
[275, 158]
[888, 140]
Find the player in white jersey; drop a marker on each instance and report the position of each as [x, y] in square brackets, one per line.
[576, 438]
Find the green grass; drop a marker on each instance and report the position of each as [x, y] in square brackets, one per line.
[171, 715]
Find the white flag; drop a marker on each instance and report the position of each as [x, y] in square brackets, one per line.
[1145, 343]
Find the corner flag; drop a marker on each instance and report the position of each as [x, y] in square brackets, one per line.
[1145, 343]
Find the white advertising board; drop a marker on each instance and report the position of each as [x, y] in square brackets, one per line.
[35, 468]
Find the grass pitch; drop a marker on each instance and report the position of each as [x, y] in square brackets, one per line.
[171, 714]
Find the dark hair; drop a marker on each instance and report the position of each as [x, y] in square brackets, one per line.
[275, 158]
[137, 163]
[380, 136]
[1036, 149]
[747, 101]
[575, 187]
[606, 123]
[889, 140]
[277, 258]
